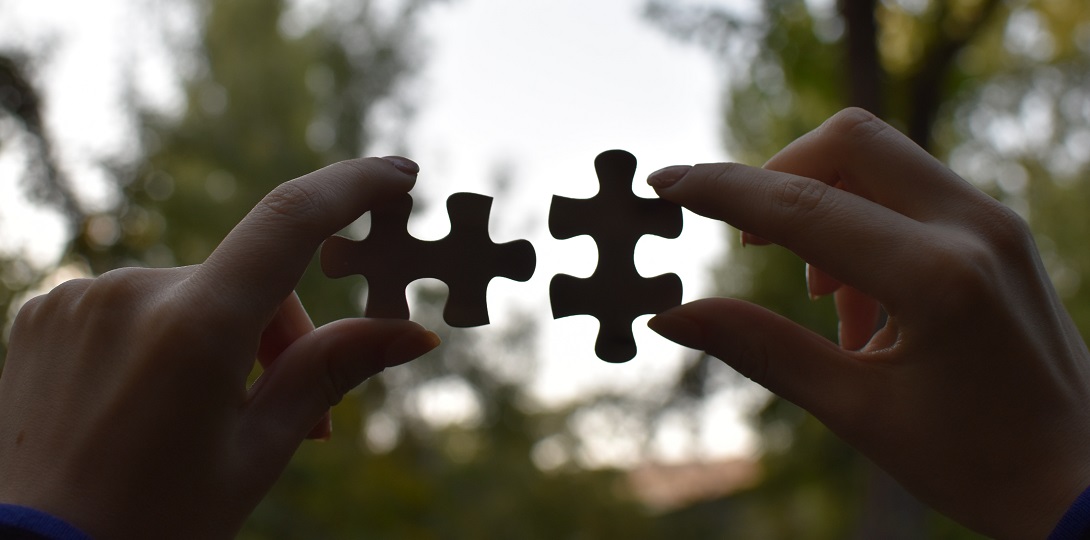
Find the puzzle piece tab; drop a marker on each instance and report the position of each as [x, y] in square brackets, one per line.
[466, 259]
[616, 219]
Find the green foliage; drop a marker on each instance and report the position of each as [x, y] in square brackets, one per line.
[452, 483]
[997, 88]
[43, 181]
[262, 107]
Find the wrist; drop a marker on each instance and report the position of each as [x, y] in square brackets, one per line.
[1075, 523]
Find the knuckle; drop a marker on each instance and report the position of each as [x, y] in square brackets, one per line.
[961, 275]
[967, 270]
[1006, 231]
[334, 384]
[707, 181]
[800, 196]
[69, 291]
[752, 362]
[115, 289]
[58, 303]
[722, 173]
[293, 200]
[854, 124]
[28, 313]
[202, 319]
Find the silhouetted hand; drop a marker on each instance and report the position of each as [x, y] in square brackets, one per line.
[124, 399]
[975, 394]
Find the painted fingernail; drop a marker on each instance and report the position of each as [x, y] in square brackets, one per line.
[410, 346]
[680, 330]
[404, 165]
[667, 176]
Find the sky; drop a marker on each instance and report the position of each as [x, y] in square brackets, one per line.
[535, 88]
[544, 106]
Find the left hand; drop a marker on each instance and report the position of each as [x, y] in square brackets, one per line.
[124, 399]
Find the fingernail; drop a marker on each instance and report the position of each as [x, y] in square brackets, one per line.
[810, 285]
[680, 330]
[404, 165]
[667, 176]
[750, 239]
[410, 346]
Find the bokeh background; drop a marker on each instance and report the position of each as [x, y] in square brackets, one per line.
[138, 132]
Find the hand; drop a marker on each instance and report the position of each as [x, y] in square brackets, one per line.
[975, 394]
[124, 399]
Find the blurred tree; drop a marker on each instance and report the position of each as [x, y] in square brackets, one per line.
[996, 88]
[273, 92]
[265, 106]
[19, 100]
[43, 182]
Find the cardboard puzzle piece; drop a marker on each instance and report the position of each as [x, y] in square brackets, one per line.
[466, 259]
[615, 293]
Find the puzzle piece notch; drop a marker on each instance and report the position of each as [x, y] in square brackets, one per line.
[615, 293]
[466, 259]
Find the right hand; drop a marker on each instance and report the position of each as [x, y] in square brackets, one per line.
[975, 394]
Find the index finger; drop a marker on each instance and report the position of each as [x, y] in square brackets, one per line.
[260, 261]
[855, 240]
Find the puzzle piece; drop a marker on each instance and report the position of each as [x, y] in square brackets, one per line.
[466, 259]
[616, 293]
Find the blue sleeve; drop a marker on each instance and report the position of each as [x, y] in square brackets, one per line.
[1075, 525]
[22, 523]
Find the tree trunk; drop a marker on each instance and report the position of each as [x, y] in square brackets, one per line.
[888, 511]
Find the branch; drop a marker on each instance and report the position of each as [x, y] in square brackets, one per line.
[19, 98]
[925, 87]
[865, 72]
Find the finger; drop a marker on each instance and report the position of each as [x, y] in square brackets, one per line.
[854, 240]
[290, 323]
[261, 260]
[780, 355]
[749, 239]
[858, 314]
[870, 158]
[819, 283]
[318, 369]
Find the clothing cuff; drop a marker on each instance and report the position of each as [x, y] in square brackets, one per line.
[22, 523]
[1075, 525]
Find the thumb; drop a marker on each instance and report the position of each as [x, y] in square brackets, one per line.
[791, 361]
[319, 368]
